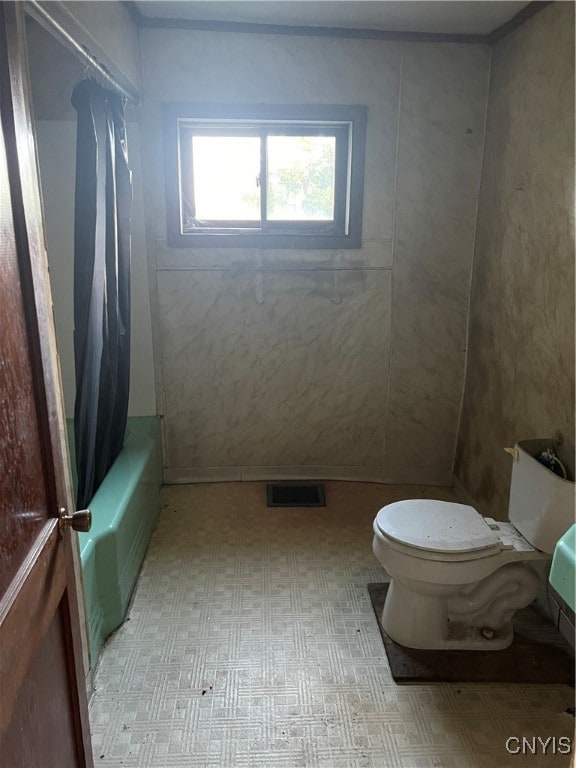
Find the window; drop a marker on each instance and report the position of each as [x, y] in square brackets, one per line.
[264, 176]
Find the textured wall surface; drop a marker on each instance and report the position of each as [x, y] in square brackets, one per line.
[339, 364]
[440, 138]
[292, 364]
[520, 373]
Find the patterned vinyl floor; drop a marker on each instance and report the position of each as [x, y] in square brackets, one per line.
[251, 643]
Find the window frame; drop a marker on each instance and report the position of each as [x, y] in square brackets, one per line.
[346, 123]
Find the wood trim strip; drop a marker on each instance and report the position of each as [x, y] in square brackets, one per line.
[516, 21]
[74, 643]
[147, 22]
[26, 612]
[306, 31]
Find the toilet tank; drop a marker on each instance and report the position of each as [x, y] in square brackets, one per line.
[541, 503]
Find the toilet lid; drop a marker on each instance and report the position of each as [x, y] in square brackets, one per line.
[436, 526]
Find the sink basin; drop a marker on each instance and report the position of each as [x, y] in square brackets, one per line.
[563, 571]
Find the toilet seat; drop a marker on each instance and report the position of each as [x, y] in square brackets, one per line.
[436, 526]
[455, 577]
[437, 530]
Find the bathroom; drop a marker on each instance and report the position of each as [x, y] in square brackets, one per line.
[396, 369]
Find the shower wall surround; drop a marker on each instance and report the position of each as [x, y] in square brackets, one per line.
[345, 364]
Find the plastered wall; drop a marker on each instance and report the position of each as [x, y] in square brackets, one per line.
[315, 363]
[520, 373]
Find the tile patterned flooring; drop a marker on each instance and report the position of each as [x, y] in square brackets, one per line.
[251, 643]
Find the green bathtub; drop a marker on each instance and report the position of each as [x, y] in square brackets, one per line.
[124, 512]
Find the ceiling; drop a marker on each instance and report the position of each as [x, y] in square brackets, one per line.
[453, 17]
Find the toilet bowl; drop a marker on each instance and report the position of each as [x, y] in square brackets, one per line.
[457, 578]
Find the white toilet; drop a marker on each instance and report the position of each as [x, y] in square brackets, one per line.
[457, 578]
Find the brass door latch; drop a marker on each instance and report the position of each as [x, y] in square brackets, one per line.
[78, 521]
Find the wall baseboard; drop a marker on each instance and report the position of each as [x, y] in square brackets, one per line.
[392, 476]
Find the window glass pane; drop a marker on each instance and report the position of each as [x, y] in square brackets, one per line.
[301, 178]
[226, 171]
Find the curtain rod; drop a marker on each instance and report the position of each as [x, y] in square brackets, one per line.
[46, 20]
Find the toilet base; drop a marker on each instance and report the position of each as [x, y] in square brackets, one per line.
[421, 621]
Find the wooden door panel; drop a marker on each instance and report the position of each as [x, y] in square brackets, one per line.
[22, 486]
[26, 611]
[43, 703]
[35, 726]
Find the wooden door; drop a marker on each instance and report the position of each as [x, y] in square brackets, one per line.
[43, 704]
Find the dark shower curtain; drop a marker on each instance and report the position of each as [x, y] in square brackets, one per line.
[101, 283]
